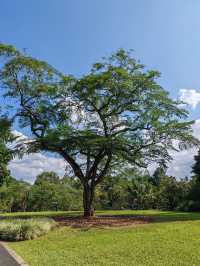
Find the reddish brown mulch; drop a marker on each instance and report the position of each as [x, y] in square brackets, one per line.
[103, 221]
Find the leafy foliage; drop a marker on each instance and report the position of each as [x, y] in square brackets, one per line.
[196, 166]
[132, 190]
[14, 195]
[44, 195]
[5, 152]
[51, 177]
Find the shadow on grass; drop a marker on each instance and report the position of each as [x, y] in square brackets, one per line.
[42, 214]
[156, 216]
[150, 215]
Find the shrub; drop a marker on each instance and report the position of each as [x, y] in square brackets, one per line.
[24, 229]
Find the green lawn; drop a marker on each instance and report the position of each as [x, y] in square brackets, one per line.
[173, 239]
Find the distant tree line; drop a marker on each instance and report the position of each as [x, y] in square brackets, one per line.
[130, 190]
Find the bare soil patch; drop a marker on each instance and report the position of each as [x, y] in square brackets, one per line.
[103, 221]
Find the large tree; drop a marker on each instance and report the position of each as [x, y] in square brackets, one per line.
[117, 114]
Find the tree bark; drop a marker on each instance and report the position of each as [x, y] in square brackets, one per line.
[88, 196]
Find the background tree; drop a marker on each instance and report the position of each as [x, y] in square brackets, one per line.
[14, 195]
[50, 177]
[127, 190]
[112, 193]
[116, 114]
[192, 202]
[196, 166]
[49, 192]
[159, 174]
[169, 194]
[5, 153]
[141, 193]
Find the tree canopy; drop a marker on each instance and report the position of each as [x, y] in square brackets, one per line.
[47, 177]
[117, 114]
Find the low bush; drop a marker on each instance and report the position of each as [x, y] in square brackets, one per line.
[24, 229]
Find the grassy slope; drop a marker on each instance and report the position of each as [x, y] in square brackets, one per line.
[173, 240]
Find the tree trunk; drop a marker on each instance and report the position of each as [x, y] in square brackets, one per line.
[88, 196]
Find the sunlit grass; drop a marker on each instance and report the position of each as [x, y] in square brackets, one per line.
[173, 239]
[157, 215]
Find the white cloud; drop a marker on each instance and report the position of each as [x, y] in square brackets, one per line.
[196, 128]
[18, 134]
[31, 165]
[190, 96]
[183, 160]
[182, 163]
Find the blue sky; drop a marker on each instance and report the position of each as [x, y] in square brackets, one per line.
[73, 34]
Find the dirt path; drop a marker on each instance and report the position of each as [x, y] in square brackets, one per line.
[103, 221]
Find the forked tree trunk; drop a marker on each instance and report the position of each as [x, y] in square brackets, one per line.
[88, 196]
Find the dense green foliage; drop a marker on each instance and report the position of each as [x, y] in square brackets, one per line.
[47, 193]
[193, 198]
[139, 191]
[130, 190]
[115, 114]
[157, 244]
[5, 152]
[24, 229]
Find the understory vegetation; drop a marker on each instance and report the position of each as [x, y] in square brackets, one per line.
[24, 229]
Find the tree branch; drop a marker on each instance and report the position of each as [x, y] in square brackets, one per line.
[104, 171]
[77, 170]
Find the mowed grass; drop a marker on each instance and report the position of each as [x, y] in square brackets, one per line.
[172, 239]
[158, 216]
[48, 214]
